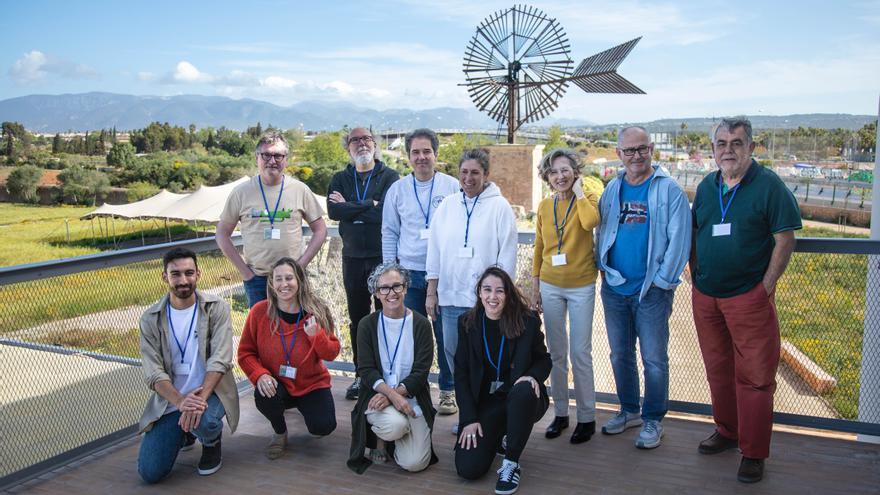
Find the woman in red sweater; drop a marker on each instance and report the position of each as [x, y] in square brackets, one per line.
[284, 344]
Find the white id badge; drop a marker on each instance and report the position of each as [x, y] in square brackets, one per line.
[287, 371]
[720, 229]
[181, 369]
[392, 380]
[558, 260]
[494, 386]
[424, 233]
[271, 234]
[466, 252]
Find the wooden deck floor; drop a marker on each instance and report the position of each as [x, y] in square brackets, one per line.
[800, 464]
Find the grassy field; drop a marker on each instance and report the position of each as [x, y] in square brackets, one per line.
[821, 305]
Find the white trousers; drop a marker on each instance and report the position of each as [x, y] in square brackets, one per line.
[411, 437]
[578, 304]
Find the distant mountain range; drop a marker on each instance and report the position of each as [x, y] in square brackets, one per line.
[89, 111]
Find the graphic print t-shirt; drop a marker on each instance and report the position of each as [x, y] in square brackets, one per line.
[629, 254]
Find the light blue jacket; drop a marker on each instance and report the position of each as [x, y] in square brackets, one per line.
[669, 231]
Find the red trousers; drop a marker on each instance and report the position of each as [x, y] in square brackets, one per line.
[739, 339]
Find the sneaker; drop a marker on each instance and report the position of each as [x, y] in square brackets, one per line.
[276, 447]
[351, 393]
[508, 478]
[650, 436]
[447, 403]
[619, 423]
[189, 441]
[211, 460]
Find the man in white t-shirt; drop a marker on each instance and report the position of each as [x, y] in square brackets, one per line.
[270, 208]
[409, 207]
[186, 351]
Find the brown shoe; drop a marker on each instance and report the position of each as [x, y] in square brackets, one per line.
[750, 470]
[276, 447]
[717, 443]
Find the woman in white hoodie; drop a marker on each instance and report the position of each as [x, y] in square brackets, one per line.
[469, 233]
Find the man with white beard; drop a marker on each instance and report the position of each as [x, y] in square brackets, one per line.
[355, 199]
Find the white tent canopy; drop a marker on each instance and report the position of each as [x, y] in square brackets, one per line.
[138, 209]
[204, 205]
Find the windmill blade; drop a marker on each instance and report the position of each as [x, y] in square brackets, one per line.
[606, 61]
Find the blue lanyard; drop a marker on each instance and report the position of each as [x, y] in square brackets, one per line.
[726, 207]
[287, 351]
[419, 201]
[357, 193]
[560, 231]
[467, 227]
[266, 202]
[391, 357]
[489, 355]
[182, 348]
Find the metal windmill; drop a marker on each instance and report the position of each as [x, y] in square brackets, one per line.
[517, 67]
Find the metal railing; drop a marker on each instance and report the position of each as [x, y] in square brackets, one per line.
[69, 342]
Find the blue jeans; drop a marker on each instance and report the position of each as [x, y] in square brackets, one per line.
[160, 445]
[255, 289]
[449, 315]
[626, 319]
[415, 300]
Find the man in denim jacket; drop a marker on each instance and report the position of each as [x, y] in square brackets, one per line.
[644, 244]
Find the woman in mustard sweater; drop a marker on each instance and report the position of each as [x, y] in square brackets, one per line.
[564, 281]
[283, 346]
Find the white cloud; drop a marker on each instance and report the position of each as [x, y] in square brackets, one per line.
[278, 82]
[36, 66]
[186, 72]
[146, 76]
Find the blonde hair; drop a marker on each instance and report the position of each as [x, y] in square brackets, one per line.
[308, 302]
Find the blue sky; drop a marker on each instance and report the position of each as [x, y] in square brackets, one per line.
[696, 58]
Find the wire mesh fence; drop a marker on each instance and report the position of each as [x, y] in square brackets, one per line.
[70, 366]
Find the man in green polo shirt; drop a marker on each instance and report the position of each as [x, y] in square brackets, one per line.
[744, 223]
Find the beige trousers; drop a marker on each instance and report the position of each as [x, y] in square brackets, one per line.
[411, 437]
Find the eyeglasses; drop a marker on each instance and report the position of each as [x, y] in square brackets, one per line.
[386, 289]
[267, 157]
[360, 139]
[643, 151]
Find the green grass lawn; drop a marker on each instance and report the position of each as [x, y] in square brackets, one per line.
[821, 305]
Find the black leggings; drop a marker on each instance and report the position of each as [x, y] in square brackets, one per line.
[514, 416]
[316, 407]
[355, 272]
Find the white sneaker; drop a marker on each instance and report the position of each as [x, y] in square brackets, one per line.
[447, 403]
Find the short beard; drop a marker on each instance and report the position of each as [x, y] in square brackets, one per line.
[363, 159]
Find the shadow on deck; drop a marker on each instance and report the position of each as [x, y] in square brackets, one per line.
[800, 463]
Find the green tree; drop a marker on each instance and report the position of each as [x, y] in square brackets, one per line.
[554, 139]
[140, 190]
[23, 181]
[83, 186]
[57, 144]
[121, 155]
[325, 149]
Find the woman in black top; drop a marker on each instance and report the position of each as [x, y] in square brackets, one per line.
[501, 364]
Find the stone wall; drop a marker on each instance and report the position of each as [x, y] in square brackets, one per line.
[513, 167]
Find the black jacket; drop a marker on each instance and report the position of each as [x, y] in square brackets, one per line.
[360, 222]
[527, 354]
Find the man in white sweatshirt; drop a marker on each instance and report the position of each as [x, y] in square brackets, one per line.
[469, 233]
[410, 206]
